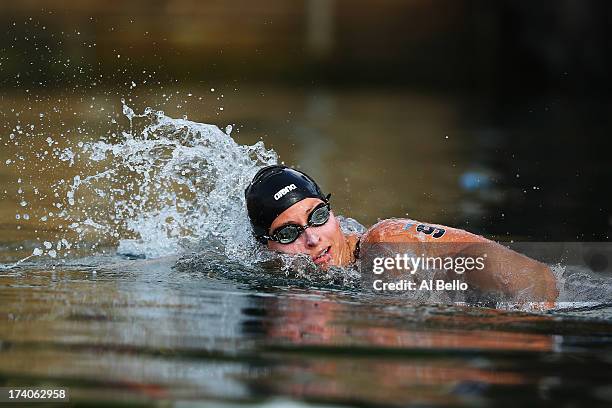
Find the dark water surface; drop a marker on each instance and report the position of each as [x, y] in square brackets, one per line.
[141, 331]
[145, 332]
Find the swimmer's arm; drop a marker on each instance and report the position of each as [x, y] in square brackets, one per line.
[511, 273]
[506, 271]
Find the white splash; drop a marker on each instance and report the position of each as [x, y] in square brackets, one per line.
[164, 188]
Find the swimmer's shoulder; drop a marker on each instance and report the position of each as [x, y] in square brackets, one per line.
[388, 230]
[408, 230]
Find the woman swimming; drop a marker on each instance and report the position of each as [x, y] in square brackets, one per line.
[290, 214]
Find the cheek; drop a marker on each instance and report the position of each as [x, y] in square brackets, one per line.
[331, 230]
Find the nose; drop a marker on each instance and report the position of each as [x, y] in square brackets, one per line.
[312, 238]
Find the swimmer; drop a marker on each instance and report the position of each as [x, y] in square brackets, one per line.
[290, 214]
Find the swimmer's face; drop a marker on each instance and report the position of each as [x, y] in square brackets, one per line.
[323, 244]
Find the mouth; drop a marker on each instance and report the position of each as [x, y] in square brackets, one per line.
[323, 257]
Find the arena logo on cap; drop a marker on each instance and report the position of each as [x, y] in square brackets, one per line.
[280, 193]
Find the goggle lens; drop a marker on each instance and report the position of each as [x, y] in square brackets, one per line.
[319, 216]
[287, 234]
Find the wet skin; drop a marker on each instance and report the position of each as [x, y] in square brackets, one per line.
[328, 246]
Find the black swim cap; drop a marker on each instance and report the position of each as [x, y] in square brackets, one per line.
[274, 189]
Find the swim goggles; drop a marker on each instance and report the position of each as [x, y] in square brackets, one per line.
[290, 232]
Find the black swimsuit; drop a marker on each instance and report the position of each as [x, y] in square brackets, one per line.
[356, 252]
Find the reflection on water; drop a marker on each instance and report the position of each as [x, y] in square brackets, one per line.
[142, 330]
[149, 332]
